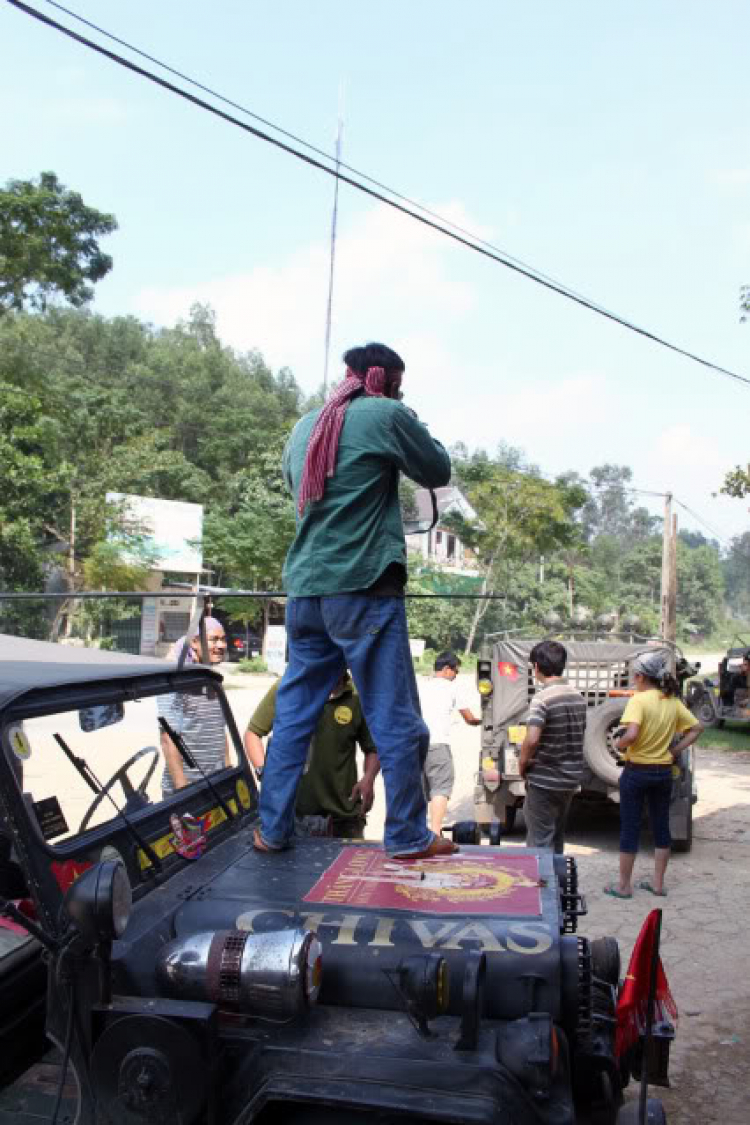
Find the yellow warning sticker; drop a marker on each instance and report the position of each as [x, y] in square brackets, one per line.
[516, 735]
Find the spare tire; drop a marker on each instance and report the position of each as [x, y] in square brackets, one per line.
[597, 745]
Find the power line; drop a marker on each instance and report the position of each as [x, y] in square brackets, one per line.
[306, 144]
[700, 520]
[438, 225]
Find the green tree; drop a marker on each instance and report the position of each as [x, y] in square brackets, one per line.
[48, 244]
[520, 517]
[700, 589]
[168, 413]
[737, 482]
[34, 484]
[246, 540]
[736, 568]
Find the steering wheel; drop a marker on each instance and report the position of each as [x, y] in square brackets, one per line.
[135, 795]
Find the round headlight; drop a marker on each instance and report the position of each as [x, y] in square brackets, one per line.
[100, 900]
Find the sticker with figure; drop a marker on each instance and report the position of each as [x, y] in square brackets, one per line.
[188, 835]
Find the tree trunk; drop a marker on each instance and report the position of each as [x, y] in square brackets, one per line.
[481, 608]
[71, 566]
[264, 626]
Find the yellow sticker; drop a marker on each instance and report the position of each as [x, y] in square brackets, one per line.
[19, 743]
[343, 715]
[488, 763]
[243, 793]
[516, 735]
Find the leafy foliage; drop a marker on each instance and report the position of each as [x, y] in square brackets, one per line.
[90, 405]
[737, 483]
[48, 244]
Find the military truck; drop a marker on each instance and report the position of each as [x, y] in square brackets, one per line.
[194, 980]
[601, 669]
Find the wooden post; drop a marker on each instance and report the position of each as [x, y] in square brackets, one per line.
[673, 581]
[666, 567]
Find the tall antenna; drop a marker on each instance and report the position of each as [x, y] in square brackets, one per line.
[334, 223]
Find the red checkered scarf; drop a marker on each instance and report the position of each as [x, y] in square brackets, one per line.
[320, 458]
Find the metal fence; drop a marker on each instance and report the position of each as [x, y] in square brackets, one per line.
[146, 623]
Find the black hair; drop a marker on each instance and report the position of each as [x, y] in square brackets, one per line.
[446, 660]
[374, 355]
[550, 657]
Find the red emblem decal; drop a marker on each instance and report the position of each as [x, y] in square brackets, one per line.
[467, 883]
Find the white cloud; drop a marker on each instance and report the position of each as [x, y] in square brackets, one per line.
[84, 110]
[692, 464]
[732, 178]
[393, 282]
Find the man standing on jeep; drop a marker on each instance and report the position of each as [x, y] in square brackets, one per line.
[551, 759]
[345, 575]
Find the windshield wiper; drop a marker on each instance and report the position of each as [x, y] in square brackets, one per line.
[93, 782]
[193, 764]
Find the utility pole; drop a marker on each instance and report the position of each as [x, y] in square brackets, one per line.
[668, 625]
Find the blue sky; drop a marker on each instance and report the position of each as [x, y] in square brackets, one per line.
[607, 145]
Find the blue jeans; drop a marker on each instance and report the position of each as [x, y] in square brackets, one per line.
[368, 635]
[653, 785]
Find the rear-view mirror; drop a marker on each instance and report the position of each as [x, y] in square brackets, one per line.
[102, 715]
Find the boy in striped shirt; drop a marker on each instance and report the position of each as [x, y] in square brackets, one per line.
[551, 760]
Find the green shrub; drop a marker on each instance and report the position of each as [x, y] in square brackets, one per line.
[255, 664]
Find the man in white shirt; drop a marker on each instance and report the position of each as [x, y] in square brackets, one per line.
[439, 697]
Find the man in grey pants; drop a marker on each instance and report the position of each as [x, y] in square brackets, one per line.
[551, 760]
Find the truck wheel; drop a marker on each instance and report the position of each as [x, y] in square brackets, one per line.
[655, 1114]
[605, 960]
[598, 748]
[704, 711]
[686, 844]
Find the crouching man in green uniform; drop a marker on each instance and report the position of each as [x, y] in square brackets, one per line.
[329, 790]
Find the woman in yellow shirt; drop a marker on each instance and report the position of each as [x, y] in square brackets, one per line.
[653, 716]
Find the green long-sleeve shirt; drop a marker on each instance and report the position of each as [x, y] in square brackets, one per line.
[346, 540]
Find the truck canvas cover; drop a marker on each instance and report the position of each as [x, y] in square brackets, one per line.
[593, 667]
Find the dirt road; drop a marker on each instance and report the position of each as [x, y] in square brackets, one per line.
[706, 946]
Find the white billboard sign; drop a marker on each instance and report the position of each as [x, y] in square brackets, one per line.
[276, 649]
[172, 531]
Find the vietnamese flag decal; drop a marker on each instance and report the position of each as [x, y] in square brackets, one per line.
[67, 871]
[510, 671]
[633, 1000]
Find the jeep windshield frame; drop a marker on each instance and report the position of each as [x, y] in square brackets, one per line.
[44, 859]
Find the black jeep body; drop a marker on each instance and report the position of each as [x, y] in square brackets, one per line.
[193, 979]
